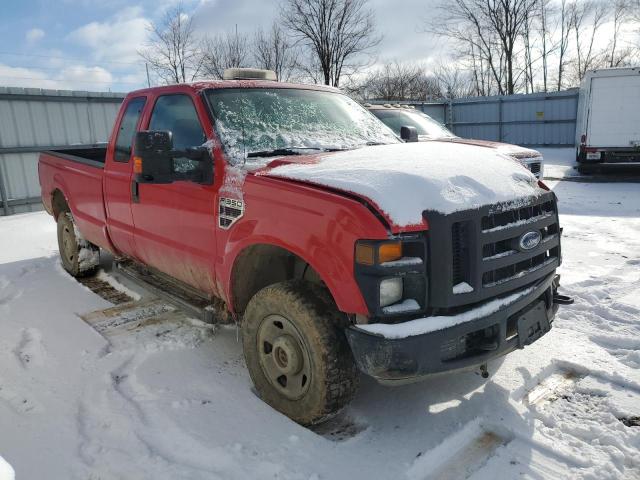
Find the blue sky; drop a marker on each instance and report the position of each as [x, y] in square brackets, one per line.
[92, 44]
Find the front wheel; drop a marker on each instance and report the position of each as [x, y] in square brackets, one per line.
[79, 257]
[296, 351]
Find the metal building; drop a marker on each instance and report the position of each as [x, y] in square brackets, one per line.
[32, 120]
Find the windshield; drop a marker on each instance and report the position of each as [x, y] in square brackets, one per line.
[425, 125]
[262, 122]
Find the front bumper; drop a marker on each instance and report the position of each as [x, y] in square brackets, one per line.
[460, 347]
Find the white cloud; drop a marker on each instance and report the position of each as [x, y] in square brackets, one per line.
[34, 35]
[73, 77]
[117, 39]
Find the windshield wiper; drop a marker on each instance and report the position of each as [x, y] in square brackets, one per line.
[281, 152]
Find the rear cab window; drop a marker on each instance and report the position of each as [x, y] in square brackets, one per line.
[127, 130]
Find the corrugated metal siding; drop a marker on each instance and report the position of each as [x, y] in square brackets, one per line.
[540, 119]
[33, 119]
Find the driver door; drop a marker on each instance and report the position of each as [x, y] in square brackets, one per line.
[174, 223]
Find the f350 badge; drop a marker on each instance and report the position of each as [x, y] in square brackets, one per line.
[230, 210]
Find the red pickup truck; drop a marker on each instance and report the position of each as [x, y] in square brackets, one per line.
[334, 244]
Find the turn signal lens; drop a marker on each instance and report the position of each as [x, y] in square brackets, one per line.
[365, 254]
[388, 252]
[137, 165]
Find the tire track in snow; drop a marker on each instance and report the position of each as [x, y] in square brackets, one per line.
[582, 417]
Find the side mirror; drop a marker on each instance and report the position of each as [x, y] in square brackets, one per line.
[153, 161]
[409, 134]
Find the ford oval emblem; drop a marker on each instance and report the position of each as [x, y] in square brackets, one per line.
[530, 240]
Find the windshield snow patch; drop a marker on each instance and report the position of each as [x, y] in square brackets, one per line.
[255, 120]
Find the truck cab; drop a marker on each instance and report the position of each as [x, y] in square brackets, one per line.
[335, 246]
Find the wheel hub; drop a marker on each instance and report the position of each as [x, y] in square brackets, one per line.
[283, 356]
[287, 355]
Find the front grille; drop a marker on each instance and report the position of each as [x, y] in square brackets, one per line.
[483, 250]
[534, 167]
[504, 253]
[460, 250]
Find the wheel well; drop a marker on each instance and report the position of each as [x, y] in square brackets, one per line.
[59, 203]
[259, 266]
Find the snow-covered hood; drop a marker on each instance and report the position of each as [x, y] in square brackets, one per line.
[404, 180]
[515, 151]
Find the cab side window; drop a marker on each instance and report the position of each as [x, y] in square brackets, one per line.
[127, 129]
[177, 114]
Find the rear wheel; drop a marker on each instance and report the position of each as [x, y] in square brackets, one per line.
[296, 351]
[79, 257]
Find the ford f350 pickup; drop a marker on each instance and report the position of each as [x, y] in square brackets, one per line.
[333, 244]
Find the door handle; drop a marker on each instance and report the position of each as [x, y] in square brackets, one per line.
[135, 191]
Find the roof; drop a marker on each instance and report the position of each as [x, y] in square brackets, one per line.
[213, 84]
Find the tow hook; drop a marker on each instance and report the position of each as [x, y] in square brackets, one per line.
[557, 297]
[562, 299]
[484, 373]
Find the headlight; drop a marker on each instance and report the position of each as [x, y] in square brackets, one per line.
[390, 291]
[391, 270]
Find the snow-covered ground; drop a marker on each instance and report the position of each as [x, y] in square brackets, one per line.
[559, 162]
[172, 399]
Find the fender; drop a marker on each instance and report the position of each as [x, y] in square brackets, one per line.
[318, 226]
[348, 300]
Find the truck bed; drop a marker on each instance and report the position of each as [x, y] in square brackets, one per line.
[93, 155]
[77, 174]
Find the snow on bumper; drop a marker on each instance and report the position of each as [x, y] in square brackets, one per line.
[490, 332]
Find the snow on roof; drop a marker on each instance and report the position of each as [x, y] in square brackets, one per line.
[406, 179]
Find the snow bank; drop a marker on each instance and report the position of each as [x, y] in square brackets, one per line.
[406, 179]
[421, 326]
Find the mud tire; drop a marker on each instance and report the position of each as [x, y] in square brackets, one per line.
[333, 374]
[79, 257]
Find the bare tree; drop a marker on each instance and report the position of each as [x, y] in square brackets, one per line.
[586, 17]
[545, 38]
[338, 32]
[396, 81]
[492, 28]
[528, 51]
[222, 51]
[563, 45]
[453, 82]
[622, 13]
[274, 51]
[172, 51]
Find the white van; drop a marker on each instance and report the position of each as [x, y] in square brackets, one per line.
[608, 123]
